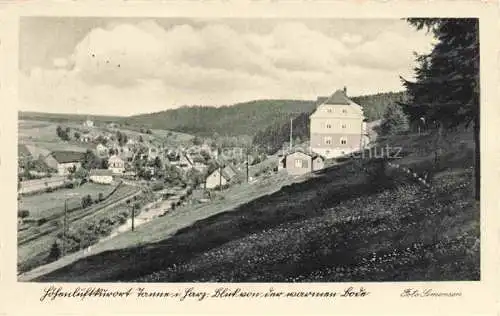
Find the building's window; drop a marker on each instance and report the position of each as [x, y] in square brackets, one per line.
[328, 126]
[328, 140]
[298, 163]
[343, 141]
[344, 125]
[305, 164]
[329, 110]
[344, 111]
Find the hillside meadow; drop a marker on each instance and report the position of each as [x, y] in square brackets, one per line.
[344, 224]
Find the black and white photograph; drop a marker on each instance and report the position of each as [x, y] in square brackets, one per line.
[244, 149]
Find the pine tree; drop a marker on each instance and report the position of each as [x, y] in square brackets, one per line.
[394, 121]
[55, 252]
[446, 89]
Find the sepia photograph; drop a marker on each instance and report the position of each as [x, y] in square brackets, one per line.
[272, 149]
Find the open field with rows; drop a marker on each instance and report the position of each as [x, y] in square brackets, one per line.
[48, 204]
[34, 243]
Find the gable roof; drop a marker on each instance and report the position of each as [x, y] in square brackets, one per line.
[115, 158]
[338, 97]
[100, 172]
[68, 156]
[230, 171]
[310, 154]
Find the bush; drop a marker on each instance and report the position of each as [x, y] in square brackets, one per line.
[87, 201]
[41, 221]
[23, 214]
[55, 252]
[101, 196]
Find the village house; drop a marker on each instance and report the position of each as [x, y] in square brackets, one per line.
[217, 179]
[85, 138]
[101, 150]
[198, 162]
[299, 163]
[116, 164]
[336, 126]
[65, 161]
[101, 176]
[88, 123]
[185, 162]
[153, 152]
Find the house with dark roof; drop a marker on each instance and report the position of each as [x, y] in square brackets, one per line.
[337, 126]
[65, 161]
[101, 176]
[301, 162]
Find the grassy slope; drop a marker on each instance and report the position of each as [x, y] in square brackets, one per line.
[336, 227]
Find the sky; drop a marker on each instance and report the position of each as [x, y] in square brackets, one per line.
[127, 66]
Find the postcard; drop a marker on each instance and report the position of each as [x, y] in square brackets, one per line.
[283, 157]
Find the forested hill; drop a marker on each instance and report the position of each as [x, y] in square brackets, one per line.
[250, 118]
[273, 136]
[374, 105]
[239, 119]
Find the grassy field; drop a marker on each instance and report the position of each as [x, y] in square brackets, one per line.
[341, 225]
[46, 204]
[36, 241]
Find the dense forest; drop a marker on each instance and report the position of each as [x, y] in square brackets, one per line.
[236, 120]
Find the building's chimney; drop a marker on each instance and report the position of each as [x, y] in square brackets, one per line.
[345, 90]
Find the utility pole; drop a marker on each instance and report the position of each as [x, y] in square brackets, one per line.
[133, 216]
[220, 178]
[65, 225]
[291, 133]
[247, 165]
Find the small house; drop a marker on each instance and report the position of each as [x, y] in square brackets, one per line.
[153, 152]
[217, 179]
[101, 150]
[185, 162]
[88, 123]
[101, 176]
[299, 163]
[116, 164]
[65, 161]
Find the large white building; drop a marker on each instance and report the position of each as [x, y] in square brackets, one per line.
[336, 126]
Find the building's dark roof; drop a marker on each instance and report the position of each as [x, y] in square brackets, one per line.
[224, 174]
[338, 97]
[68, 156]
[230, 171]
[310, 154]
[100, 172]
